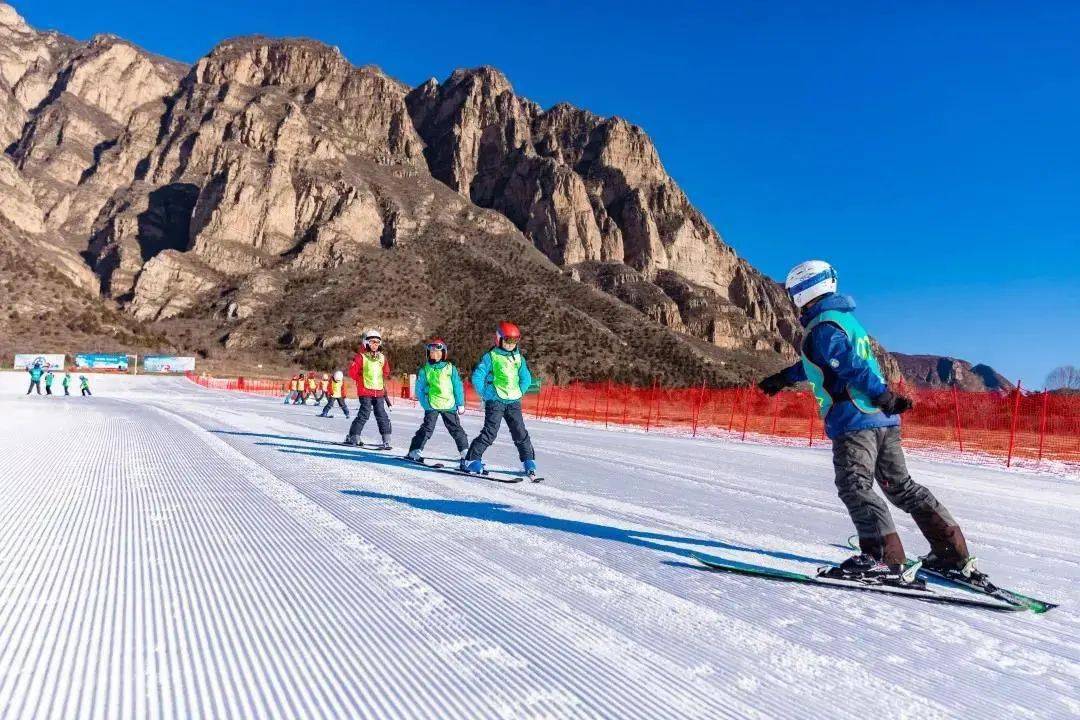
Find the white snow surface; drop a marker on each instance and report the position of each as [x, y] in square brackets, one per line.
[170, 551]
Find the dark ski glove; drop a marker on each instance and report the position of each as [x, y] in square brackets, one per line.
[893, 404]
[773, 384]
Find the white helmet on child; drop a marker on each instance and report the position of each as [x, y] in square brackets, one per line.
[810, 280]
[338, 375]
[372, 334]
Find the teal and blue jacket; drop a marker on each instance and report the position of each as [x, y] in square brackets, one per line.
[422, 385]
[848, 376]
[36, 372]
[483, 380]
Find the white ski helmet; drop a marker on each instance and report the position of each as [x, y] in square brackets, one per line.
[371, 334]
[338, 375]
[810, 280]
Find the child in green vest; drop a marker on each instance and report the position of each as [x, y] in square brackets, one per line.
[49, 377]
[501, 378]
[862, 417]
[370, 370]
[441, 394]
[84, 386]
[335, 393]
[66, 382]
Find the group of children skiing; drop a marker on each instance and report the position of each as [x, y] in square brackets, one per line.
[860, 413]
[37, 373]
[501, 378]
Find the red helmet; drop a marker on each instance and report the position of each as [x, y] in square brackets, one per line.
[436, 343]
[506, 330]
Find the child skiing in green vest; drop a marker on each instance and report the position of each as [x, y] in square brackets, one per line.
[862, 417]
[501, 378]
[49, 377]
[370, 370]
[441, 394]
[84, 386]
[66, 382]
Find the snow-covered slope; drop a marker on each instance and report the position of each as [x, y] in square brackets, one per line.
[168, 551]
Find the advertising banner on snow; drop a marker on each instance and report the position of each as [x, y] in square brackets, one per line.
[168, 364]
[101, 361]
[45, 360]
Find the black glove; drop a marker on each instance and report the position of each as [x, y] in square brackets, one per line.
[773, 384]
[893, 404]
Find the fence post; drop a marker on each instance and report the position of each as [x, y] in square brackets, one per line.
[697, 406]
[1012, 425]
[746, 411]
[607, 401]
[1042, 422]
[734, 405]
[648, 417]
[626, 404]
[775, 411]
[813, 418]
[956, 409]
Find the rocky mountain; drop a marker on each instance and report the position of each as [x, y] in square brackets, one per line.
[274, 198]
[935, 371]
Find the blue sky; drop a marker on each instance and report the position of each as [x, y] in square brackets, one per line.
[930, 151]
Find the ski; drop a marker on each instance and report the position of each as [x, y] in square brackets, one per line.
[486, 475]
[720, 564]
[1010, 596]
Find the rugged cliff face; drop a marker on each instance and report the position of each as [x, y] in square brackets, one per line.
[217, 202]
[936, 371]
[589, 190]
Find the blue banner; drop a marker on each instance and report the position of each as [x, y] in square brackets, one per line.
[101, 360]
[168, 364]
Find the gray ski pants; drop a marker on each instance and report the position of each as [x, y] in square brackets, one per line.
[494, 412]
[863, 456]
[453, 426]
[369, 405]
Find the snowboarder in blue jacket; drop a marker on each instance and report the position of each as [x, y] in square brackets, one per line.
[502, 378]
[441, 394]
[862, 417]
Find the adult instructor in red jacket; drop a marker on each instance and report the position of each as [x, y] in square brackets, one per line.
[370, 370]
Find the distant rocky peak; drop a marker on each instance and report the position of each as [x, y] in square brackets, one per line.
[261, 61]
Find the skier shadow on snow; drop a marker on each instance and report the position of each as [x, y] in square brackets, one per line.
[507, 515]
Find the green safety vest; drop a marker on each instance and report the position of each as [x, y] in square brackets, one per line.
[335, 388]
[861, 341]
[440, 386]
[504, 375]
[373, 371]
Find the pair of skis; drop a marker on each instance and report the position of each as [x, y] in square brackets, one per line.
[486, 475]
[987, 597]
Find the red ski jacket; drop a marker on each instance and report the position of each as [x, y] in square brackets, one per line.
[356, 372]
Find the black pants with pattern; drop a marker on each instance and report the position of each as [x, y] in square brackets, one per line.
[453, 426]
[494, 413]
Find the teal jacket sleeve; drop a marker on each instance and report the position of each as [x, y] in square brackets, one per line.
[421, 389]
[480, 377]
[524, 376]
[459, 388]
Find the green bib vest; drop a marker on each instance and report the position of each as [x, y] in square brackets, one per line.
[504, 375]
[440, 386]
[861, 342]
[336, 388]
[373, 371]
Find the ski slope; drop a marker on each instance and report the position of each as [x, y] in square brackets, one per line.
[170, 551]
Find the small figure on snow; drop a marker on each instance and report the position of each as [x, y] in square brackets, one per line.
[335, 393]
[370, 370]
[66, 382]
[862, 417]
[36, 371]
[310, 388]
[501, 378]
[49, 377]
[323, 389]
[441, 393]
[84, 386]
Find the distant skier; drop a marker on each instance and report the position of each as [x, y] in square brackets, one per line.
[66, 382]
[298, 389]
[501, 378]
[310, 386]
[335, 393]
[370, 370]
[861, 416]
[441, 394]
[36, 371]
[49, 377]
[322, 390]
[84, 386]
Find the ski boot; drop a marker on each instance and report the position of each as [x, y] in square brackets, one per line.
[385, 444]
[530, 468]
[961, 571]
[865, 569]
[473, 467]
[352, 441]
[414, 456]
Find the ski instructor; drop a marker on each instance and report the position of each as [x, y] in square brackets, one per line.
[862, 417]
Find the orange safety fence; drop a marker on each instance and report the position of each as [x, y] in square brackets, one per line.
[1017, 424]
